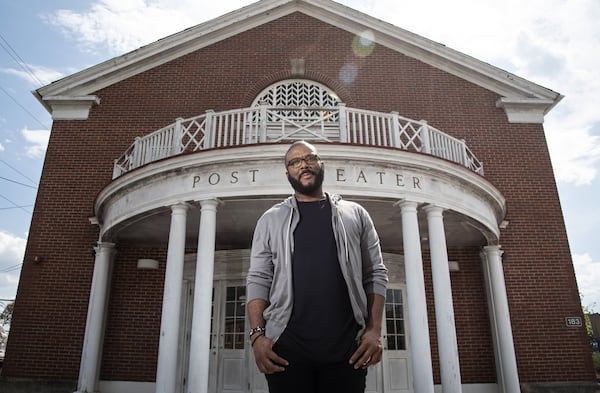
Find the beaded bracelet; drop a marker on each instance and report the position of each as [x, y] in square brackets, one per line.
[258, 329]
[256, 338]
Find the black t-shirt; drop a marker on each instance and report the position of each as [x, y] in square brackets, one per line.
[322, 326]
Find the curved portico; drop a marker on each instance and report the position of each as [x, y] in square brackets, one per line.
[184, 188]
[250, 178]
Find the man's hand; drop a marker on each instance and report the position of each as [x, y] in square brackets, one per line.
[267, 361]
[369, 350]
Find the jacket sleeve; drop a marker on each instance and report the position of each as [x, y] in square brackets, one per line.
[260, 274]
[375, 276]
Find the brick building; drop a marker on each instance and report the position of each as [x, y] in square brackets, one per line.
[161, 160]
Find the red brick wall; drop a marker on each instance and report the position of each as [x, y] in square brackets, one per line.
[51, 305]
[132, 335]
[473, 333]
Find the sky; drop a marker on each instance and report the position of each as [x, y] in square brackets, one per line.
[553, 43]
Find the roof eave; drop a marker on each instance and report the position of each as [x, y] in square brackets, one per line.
[513, 89]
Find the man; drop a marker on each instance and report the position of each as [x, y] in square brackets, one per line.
[316, 287]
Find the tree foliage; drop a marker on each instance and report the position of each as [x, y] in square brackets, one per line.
[6, 315]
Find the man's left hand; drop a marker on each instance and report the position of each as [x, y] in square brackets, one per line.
[369, 350]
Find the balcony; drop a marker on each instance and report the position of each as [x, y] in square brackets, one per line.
[264, 124]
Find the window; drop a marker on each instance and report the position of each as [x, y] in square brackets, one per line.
[235, 312]
[394, 320]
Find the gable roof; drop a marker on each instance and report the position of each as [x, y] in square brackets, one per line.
[72, 96]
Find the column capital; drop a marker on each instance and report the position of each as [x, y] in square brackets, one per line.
[104, 247]
[431, 209]
[180, 206]
[406, 204]
[494, 249]
[210, 203]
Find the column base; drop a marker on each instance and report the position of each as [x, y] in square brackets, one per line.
[560, 387]
[27, 385]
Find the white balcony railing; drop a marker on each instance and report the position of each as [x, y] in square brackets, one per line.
[262, 124]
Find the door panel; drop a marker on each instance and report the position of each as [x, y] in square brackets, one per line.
[187, 297]
[231, 326]
[398, 381]
[228, 371]
[233, 375]
[374, 382]
[396, 365]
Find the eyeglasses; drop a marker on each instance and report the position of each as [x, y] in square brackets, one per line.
[297, 162]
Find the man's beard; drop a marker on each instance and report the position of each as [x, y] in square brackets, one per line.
[311, 188]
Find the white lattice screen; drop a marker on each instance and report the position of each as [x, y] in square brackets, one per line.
[300, 109]
[297, 93]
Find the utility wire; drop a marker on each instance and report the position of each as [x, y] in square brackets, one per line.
[25, 109]
[16, 182]
[11, 268]
[18, 171]
[15, 56]
[15, 205]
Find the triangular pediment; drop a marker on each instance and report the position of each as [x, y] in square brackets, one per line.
[72, 96]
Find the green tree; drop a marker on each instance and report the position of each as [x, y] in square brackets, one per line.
[6, 315]
[587, 310]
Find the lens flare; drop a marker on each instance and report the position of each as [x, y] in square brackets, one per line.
[348, 73]
[363, 44]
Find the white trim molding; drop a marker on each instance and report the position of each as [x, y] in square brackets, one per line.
[70, 107]
[430, 52]
[525, 110]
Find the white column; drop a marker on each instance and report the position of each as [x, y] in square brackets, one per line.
[89, 369]
[444, 308]
[420, 352]
[508, 375]
[200, 339]
[166, 370]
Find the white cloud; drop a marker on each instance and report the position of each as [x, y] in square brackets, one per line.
[588, 277]
[575, 153]
[2, 147]
[12, 250]
[123, 25]
[37, 76]
[550, 42]
[37, 141]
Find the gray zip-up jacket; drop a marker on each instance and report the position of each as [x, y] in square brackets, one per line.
[270, 274]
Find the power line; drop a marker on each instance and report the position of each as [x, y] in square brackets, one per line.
[15, 56]
[19, 172]
[25, 109]
[16, 182]
[15, 205]
[11, 268]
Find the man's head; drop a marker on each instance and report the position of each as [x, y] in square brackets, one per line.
[305, 171]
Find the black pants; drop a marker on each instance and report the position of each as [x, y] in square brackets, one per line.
[304, 376]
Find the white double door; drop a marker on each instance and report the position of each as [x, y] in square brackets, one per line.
[232, 366]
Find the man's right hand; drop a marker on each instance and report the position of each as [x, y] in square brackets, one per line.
[267, 361]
